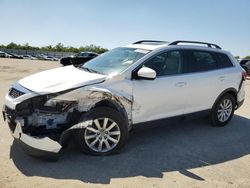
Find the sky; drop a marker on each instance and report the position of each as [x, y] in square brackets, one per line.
[113, 23]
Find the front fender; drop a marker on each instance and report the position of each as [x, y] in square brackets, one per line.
[87, 97]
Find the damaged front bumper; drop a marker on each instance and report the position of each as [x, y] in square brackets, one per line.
[38, 147]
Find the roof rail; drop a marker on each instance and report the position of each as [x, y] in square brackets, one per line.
[150, 41]
[210, 45]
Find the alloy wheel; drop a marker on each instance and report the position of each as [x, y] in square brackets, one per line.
[225, 110]
[103, 135]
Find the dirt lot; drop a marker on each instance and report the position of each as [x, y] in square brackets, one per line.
[190, 154]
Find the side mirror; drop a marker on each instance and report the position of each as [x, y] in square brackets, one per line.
[146, 73]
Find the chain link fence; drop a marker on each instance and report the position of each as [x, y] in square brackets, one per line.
[35, 52]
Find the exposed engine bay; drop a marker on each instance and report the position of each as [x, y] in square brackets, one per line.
[39, 117]
[49, 114]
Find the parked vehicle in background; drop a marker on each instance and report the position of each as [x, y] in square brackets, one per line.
[66, 60]
[82, 58]
[42, 57]
[45, 57]
[29, 57]
[245, 64]
[78, 59]
[15, 56]
[2, 54]
[52, 58]
[98, 102]
[5, 55]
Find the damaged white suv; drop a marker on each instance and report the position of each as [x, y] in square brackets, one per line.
[98, 102]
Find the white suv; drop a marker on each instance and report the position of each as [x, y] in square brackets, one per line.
[99, 102]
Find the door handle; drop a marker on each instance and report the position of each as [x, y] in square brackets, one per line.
[180, 84]
[222, 78]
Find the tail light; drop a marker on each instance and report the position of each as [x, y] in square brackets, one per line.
[244, 75]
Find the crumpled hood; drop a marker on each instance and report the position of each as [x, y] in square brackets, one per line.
[60, 79]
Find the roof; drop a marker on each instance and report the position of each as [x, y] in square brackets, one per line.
[146, 46]
[153, 45]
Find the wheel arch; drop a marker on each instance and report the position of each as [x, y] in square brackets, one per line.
[114, 105]
[89, 98]
[231, 91]
[67, 134]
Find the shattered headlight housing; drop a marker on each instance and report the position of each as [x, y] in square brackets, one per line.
[64, 105]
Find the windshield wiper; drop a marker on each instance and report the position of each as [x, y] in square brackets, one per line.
[85, 68]
[90, 70]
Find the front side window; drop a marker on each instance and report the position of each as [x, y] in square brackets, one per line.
[201, 61]
[167, 63]
[115, 61]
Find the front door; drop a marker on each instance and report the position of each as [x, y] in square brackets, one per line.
[165, 96]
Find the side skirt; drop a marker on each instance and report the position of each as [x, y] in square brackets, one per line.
[176, 119]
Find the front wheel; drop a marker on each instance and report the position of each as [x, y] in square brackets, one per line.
[223, 110]
[106, 135]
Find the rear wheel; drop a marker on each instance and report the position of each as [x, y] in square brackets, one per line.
[223, 110]
[107, 134]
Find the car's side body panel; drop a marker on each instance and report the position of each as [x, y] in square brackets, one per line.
[57, 102]
[154, 99]
[204, 87]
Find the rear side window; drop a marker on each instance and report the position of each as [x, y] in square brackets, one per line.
[199, 61]
[224, 61]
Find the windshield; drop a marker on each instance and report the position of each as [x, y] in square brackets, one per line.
[114, 61]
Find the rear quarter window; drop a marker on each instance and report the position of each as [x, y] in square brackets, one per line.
[224, 60]
[199, 61]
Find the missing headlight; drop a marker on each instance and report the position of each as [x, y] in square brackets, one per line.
[60, 104]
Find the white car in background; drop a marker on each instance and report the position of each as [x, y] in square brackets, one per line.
[4, 54]
[29, 57]
[100, 101]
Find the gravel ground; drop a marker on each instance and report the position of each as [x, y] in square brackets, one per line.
[189, 154]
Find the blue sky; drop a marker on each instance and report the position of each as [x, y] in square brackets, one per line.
[112, 23]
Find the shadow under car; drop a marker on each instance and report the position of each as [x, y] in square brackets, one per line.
[150, 151]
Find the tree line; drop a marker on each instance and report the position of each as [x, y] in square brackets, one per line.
[61, 48]
[238, 57]
[57, 48]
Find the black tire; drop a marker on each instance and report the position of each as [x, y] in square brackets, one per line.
[103, 112]
[65, 61]
[215, 111]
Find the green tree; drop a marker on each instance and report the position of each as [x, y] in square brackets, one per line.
[12, 45]
[72, 49]
[47, 48]
[27, 47]
[57, 48]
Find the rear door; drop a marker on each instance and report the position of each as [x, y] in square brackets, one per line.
[205, 79]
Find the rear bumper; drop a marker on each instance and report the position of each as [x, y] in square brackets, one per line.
[239, 104]
[248, 72]
[38, 147]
